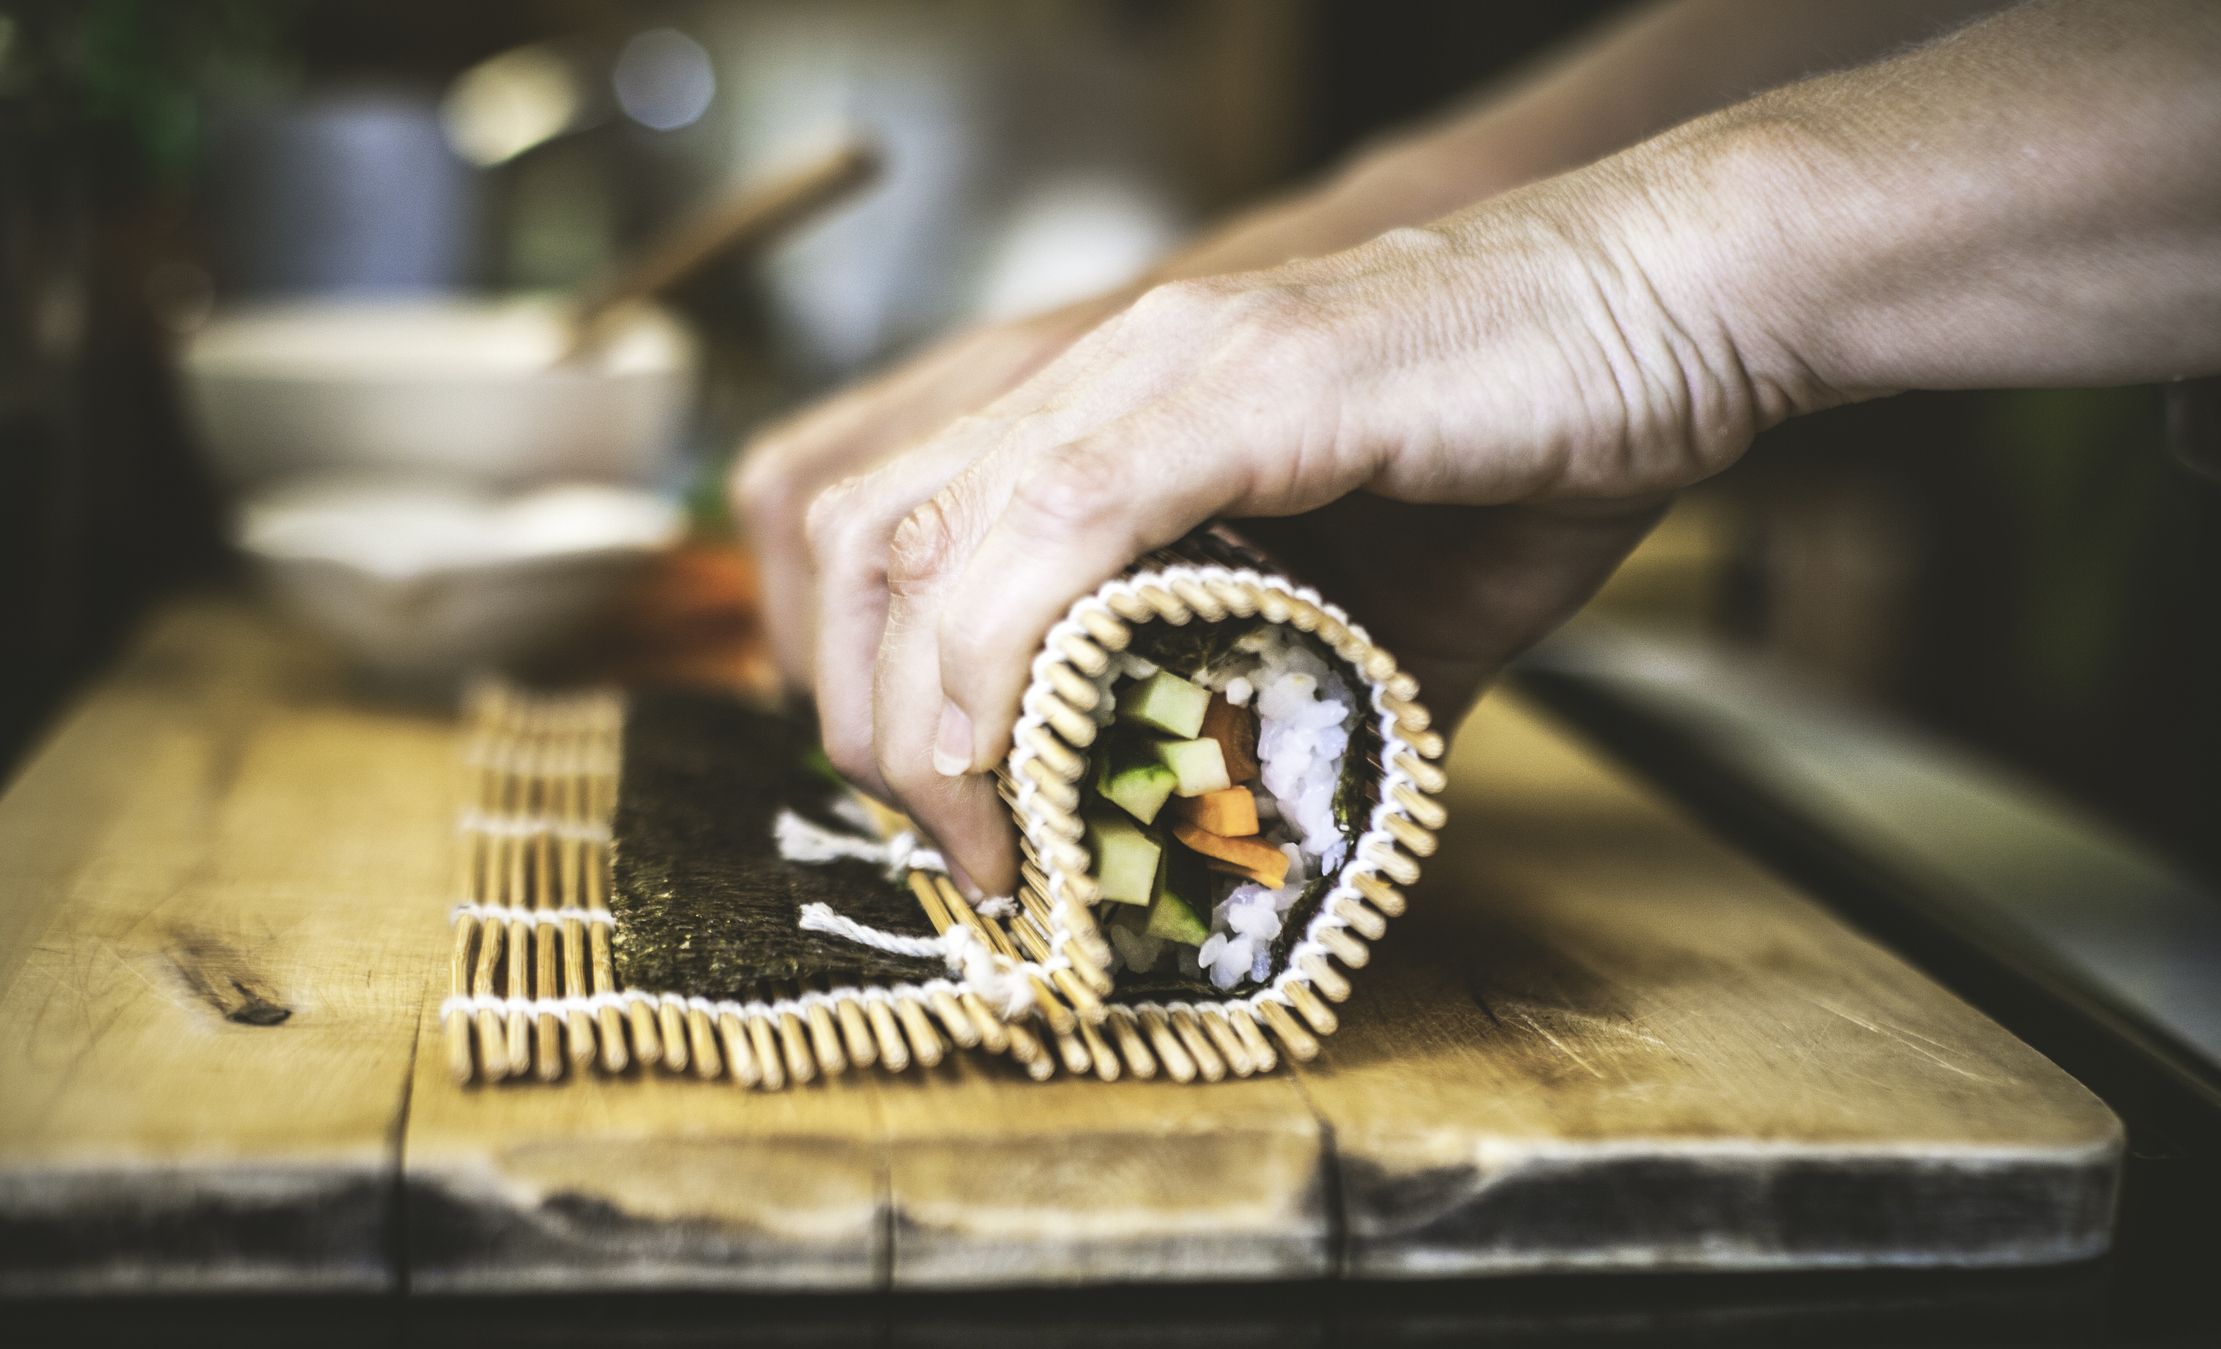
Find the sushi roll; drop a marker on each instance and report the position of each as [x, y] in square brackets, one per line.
[1222, 784]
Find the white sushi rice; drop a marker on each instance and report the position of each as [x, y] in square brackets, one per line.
[1303, 712]
[1303, 719]
[1246, 923]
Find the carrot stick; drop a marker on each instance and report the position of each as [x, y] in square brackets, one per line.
[1231, 813]
[1261, 862]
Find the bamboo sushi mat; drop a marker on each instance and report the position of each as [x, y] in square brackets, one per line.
[534, 992]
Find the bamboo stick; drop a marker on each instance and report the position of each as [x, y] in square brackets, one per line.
[894, 1052]
[1177, 1064]
[954, 1018]
[456, 1025]
[1330, 984]
[856, 1036]
[1300, 1044]
[825, 1040]
[1350, 950]
[1315, 1013]
[1083, 654]
[740, 1056]
[1106, 631]
[1362, 920]
[993, 1036]
[794, 1048]
[701, 1043]
[1208, 1064]
[1223, 1039]
[1261, 1052]
[1164, 604]
[925, 1042]
[493, 1044]
[1126, 605]
[1383, 896]
[764, 1045]
[1099, 1053]
[1132, 1048]
[671, 1026]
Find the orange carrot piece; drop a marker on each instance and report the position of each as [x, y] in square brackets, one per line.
[1231, 813]
[1261, 862]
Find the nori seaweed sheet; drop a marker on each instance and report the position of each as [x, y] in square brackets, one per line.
[705, 904]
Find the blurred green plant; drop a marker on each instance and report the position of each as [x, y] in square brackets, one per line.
[135, 75]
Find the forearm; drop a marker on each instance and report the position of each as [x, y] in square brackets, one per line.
[1656, 66]
[2033, 200]
[1511, 390]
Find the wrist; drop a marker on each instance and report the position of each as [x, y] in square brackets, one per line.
[1644, 303]
[1736, 245]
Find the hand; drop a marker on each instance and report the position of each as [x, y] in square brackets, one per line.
[1504, 398]
[785, 467]
[1457, 430]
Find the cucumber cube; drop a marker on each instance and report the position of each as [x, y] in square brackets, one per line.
[1198, 766]
[1138, 788]
[1181, 899]
[1125, 859]
[1165, 702]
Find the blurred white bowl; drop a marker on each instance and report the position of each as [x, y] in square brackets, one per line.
[424, 581]
[465, 389]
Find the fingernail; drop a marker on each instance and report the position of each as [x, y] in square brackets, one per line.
[965, 883]
[952, 743]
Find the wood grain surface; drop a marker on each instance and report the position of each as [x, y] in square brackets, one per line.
[213, 940]
[1600, 1039]
[994, 1180]
[654, 1181]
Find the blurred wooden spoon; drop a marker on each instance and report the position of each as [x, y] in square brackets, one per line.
[752, 216]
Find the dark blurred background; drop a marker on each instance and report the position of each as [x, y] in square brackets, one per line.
[2026, 574]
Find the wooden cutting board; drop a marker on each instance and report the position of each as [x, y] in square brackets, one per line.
[1601, 1039]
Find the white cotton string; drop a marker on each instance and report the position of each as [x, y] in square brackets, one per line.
[529, 826]
[906, 852]
[820, 917]
[853, 810]
[993, 978]
[967, 955]
[457, 1004]
[802, 840]
[530, 917]
[997, 906]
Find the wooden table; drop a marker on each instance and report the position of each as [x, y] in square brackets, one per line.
[1601, 1039]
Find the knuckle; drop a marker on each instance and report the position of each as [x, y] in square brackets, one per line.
[924, 543]
[1068, 488]
[1277, 331]
[1413, 241]
[1264, 309]
[1180, 303]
